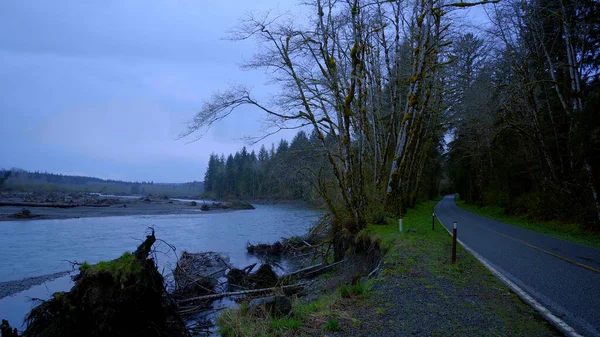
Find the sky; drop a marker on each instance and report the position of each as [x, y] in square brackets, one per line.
[104, 88]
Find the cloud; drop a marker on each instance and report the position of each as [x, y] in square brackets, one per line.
[104, 88]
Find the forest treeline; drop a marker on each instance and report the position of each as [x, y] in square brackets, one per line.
[21, 180]
[525, 107]
[285, 171]
[275, 173]
[403, 101]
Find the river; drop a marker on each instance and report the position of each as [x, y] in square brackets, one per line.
[37, 247]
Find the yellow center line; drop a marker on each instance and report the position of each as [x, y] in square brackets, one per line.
[542, 250]
[476, 222]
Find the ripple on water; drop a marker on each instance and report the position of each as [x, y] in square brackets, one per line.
[37, 247]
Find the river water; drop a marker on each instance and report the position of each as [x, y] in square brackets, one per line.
[37, 247]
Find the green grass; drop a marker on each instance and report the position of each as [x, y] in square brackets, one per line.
[283, 324]
[423, 255]
[420, 246]
[355, 290]
[571, 232]
[321, 313]
[332, 325]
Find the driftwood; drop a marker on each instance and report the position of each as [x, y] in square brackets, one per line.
[325, 267]
[48, 205]
[376, 270]
[300, 271]
[315, 269]
[264, 277]
[238, 293]
[197, 273]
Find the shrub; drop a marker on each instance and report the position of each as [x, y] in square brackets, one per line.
[332, 325]
[353, 290]
[378, 218]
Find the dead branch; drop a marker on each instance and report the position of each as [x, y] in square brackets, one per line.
[238, 293]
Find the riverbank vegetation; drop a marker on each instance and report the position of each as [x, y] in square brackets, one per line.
[24, 181]
[418, 290]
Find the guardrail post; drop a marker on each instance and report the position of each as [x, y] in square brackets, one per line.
[454, 232]
[400, 225]
[432, 221]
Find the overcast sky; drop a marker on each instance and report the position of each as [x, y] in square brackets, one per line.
[103, 88]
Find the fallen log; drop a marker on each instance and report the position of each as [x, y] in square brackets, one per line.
[300, 271]
[238, 293]
[325, 267]
[316, 268]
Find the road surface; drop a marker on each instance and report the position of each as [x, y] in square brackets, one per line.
[564, 277]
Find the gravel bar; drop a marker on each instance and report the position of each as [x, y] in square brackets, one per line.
[12, 287]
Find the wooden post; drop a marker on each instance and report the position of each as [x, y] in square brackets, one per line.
[454, 230]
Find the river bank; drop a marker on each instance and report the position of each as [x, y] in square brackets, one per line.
[42, 206]
[33, 248]
[418, 292]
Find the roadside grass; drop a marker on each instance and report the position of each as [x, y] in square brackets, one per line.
[566, 231]
[420, 246]
[423, 255]
[323, 313]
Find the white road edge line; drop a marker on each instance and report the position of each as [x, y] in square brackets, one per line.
[557, 322]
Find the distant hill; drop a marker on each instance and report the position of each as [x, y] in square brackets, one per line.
[21, 180]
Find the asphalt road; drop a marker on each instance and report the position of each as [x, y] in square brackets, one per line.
[562, 276]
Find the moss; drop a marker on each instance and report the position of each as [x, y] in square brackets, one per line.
[123, 297]
[122, 269]
[412, 102]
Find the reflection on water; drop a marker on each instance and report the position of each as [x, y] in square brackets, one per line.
[14, 308]
[38, 247]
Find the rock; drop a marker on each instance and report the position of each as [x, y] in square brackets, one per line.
[193, 203]
[277, 306]
[204, 207]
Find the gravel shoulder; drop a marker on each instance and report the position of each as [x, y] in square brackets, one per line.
[420, 293]
[12, 287]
